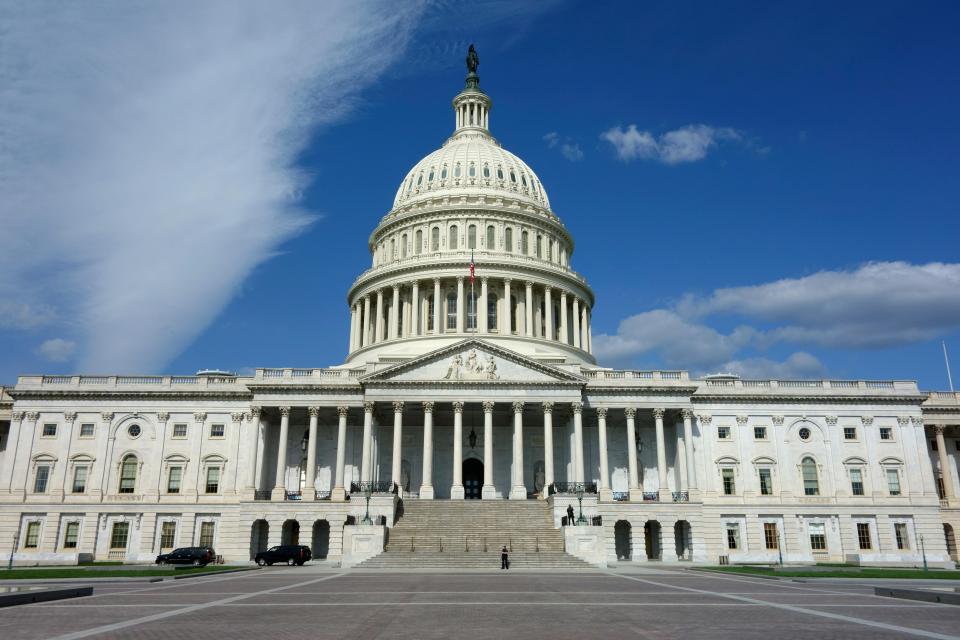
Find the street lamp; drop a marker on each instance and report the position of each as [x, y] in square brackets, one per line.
[923, 550]
[367, 492]
[304, 441]
[579, 490]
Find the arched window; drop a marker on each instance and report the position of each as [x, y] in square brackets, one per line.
[472, 171]
[430, 313]
[499, 173]
[513, 177]
[435, 239]
[508, 240]
[492, 311]
[525, 243]
[456, 171]
[811, 484]
[550, 250]
[491, 238]
[486, 170]
[451, 311]
[430, 177]
[512, 320]
[418, 242]
[539, 246]
[128, 474]
[419, 180]
[443, 173]
[523, 178]
[472, 237]
[452, 238]
[403, 246]
[393, 249]
[471, 313]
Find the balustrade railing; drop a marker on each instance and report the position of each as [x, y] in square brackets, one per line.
[651, 496]
[572, 488]
[681, 496]
[293, 495]
[261, 494]
[378, 486]
[621, 496]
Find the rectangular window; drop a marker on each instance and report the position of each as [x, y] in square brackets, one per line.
[900, 532]
[849, 433]
[168, 535]
[213, 479]
[733, 536]
[766, 482]
[32, 539]
[729, 485]
[80, 479]
[770, 537]
[723, 433]
[86, 430]
[886, 433]
[40, 481]
[118, 535]
[863, 535]
[173, 479]
[206, 534]
[893, 482]
[70, 535]
[856, 482]
[760, 433]
[179, 431]
[49, 430]
[818, 536]
[933, 445]
[940, 490]
[216, 431]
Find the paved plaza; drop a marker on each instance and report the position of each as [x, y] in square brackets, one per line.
[317, 602]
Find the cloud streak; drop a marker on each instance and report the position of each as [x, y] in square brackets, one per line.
[686, 144]
[567, 148]
[147, 157]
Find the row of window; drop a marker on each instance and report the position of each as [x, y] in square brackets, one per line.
[849, 433]
[426, 179]
[88, 430]
[817, 536]
[119, 535]
[545, 248]
[127, 482]
[811, 480]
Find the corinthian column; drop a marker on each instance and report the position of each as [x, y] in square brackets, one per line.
[415, 309]
[635, 492]
[547, 449]
[506, 325]
[664, 489]
[563, 318]
[460, 323]
[379, 333]
[605, 492]
[279, 485]
[338, 494]
[577, 441]
[481, 310]
[456, 491]
[437, 306]
[310, 491]
[518, 491]
[366, 467]
[528, 311]
[365, 336]
[548, 312]
[688, 446]
[576, 323]
[947, 477]
[426, 486]
[398, 446]
[489, 491]
[394, 313]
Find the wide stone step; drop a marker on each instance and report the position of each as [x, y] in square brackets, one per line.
[399, 560]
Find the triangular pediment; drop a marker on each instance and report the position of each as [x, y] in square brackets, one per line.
[472, 360]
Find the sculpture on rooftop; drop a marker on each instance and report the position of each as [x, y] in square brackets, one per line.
[473, 60]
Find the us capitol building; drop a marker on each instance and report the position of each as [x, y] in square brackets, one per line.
[480, 386]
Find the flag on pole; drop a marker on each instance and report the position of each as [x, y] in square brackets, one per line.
[471, 268]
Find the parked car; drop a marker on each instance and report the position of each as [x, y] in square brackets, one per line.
[197, 556]
[292, 554]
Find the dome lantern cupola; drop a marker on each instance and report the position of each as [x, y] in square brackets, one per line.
[472, 105]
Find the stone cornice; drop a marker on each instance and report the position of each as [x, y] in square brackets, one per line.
[797, 398]
[130, 394]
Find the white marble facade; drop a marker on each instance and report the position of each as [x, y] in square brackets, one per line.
[488, 389]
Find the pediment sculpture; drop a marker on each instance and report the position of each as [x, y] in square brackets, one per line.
[473, 368]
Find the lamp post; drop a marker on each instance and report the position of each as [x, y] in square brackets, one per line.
[367, 492]
[579, 490]
[923, 551]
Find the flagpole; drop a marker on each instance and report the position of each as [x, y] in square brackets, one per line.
[946, 361]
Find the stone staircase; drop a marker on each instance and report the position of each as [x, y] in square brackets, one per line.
[458, 534]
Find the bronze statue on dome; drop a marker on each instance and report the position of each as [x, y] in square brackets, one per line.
[473, 60]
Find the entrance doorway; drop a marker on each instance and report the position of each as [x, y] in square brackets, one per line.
[472, 478]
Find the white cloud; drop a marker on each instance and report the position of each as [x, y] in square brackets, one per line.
[147, 155]
[686, 144]
[877, 305]
[57, 350]
[568, 149]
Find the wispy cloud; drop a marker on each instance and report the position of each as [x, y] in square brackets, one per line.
[877, 305]
[57, 349]
[686, 144]
[147, 157]
[567, 148]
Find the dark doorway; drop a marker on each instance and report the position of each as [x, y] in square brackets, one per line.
[472, 478]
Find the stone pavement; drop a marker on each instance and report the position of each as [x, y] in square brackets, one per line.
[317, 602]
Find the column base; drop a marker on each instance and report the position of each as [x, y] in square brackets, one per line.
[308, 495]
[456, 492]
[636, 495]
[338, 494]
[665, 495]
[278, 493]
[488, 492]
[426, 493]
[518, 493]
[606, 495]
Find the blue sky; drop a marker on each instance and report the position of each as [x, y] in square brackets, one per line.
[763, 188]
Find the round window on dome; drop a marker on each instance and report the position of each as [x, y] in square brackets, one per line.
[804, 433]
[133, 430]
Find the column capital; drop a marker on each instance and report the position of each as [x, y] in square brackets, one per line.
[866, 420]
[254, 412]
[342, 411]
[16, 416]
[658, 413]
[577, 407]
[903, 420]
[939, 429]
[777, 420]
[398, 406]
[917, 421]
[70, 416]
[563, 295]
[548, 407]
[414, 283]
[458, 407]
[33, 416]
[366, 297]
[507, 280]
[459, 280]
[742, 419]
[313, 411]
[706, 418]
[106, 416]
[368, 406]
[630, 412]
[488, 406]
[518, 407]
[832, 420]
[201, 416]
[163, 416]
[428, 406]
[686, 414]
[284, 411]
[436, 281]
[395, 287]
[484, 279]
[528, 283]
[236, 417]
[602, 413]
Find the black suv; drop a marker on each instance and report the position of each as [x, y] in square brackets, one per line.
[292, 554]
[197, 556]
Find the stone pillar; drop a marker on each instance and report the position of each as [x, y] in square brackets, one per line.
[437, 306]
[365, 336]
[310, 490]
[426, 486]
[489, 491]
[506, 325]
[481, 310]
[394, 313]
[456, 491]
[576, 323]
[162, 418]
[948, 492]
[518, 490]
[366, 466]
[379, 325]
[13, 441]
[548, 312]
[605, 492]
[528, 311]
[415, 309]
[563, 318]
[688, 447]
[460, 318]
[339, 494]
[279, 485]
[353, 327]
[397, 446]
[548, 478]
[636, 492]
[577, 441]
[663, 488]
[585, 327]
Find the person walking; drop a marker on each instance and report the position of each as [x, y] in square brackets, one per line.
[504, 558]
[570, 515]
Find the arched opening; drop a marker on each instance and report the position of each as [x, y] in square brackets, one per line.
[435, 238]
[951, 542]
[259, 535]
[452, 311]
[492, 304]
[320, 546]
[811, 483]
[418, 242]
[508, 240]
[290, 533]
[683, 540]
[621, 535]
[472, 232]
[651, 534]
[452, 238]
[128, 474]
[472, 478]
[512, 320]
[429, 314]
[491, 232]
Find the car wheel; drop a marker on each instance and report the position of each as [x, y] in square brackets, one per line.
[300, 564]
[261, 562]
[196, 563]
[291, 562]
[161, 562]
